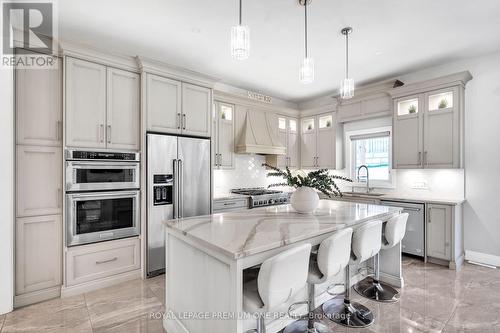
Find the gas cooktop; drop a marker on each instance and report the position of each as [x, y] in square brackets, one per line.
[260, 197]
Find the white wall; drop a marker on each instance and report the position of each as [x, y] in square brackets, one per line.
[6, 190]
[482, 157]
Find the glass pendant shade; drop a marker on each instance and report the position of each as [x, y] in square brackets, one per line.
[307, 70]
[347, 88]
[240, 42]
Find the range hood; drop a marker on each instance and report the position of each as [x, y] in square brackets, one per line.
[258, 137]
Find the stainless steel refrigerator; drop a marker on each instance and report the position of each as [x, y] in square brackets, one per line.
[178, 181]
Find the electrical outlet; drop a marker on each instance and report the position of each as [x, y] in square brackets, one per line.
[420, 185]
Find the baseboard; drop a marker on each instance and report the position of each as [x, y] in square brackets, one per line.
[36, 296]
[482, 258]
[99, 284]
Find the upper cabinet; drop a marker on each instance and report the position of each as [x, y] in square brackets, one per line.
[176, 107]
[365, 107]
[224, 135]
[318, 149]
[39, 106]
[427, 129]
[288, 134]
[102, 106]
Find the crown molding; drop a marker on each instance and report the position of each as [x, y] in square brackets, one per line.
[457, 79]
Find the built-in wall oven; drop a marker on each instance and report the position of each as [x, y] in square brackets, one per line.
[102, 196]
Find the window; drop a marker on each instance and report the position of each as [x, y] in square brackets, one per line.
[372, 149]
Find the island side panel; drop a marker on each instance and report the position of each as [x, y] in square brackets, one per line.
[198, 283]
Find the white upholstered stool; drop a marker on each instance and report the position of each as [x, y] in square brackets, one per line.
[332, 258]
[365, 245]
[280, 279]
[372, 288]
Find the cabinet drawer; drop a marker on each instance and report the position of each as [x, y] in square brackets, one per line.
[230, 204]
[95, 261]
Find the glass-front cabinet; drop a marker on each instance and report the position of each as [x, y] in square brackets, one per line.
[223, 135]
[289, 137]
[427, 129]
[318, 141]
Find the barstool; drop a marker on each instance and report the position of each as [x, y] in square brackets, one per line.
[280, 279]
[372, 288]
[365, 244]
[333, 256]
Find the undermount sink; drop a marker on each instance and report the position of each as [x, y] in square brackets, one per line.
[362, 194]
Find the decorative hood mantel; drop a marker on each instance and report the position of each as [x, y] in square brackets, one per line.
[257, 136]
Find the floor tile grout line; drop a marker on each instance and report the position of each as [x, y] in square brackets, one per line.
[88, 312]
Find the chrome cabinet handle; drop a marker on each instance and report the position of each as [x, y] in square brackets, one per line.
[184, 121]
[420, 158]
[317, 161]
[178, 121]
[220, 159]
[106, 261]
[429, 215]
[108, 133]
[101, 133]
[425, 158]
[229, 203]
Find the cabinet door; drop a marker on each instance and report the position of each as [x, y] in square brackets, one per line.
[408, 132]
[326, 142]
[225, 138]
[38, 106]
[441, 130]
[39, 180]
[282, 161]
[122, 123]
[308, 143]
[163, 104]
[196, 102]
[38, 253]
[293, 144]
[439, 231]
[85, 103]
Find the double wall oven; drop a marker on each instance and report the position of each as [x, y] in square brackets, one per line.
[102, 196]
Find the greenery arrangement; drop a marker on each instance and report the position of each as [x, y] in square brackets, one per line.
[443, 104]
[319, 180]
[412, 109]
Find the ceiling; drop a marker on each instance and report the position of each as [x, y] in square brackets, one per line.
[390, 37]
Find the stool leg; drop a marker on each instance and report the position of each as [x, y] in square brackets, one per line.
[261, 327]
[375, 290]
[309, 324]
[345, 312]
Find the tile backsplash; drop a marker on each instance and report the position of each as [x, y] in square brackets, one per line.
[248, 172]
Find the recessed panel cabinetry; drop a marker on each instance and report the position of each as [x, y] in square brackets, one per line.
[102, 106]
[365, 107]
[175, 107]
[317, 149]
[439, 231]
[223, 135]
[288, 134]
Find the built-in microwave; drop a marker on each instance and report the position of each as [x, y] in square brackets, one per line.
[99, 216]
[96, 171]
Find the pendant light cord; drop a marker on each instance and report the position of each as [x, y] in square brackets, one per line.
[240, 12]
[305, 24]
[347, 55]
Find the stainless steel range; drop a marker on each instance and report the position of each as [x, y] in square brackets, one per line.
[260, 197]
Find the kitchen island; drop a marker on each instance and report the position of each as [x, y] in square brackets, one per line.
[208, 257]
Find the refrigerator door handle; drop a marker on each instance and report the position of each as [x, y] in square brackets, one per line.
[176, 189]
[181, 190]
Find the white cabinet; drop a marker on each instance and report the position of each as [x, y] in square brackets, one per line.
[85, 103]
[288, 134]
[39, 106]
[366, 107]
[39, 180]
[196, 106]
[408, 132]
[38, 253]
[122, 130]
[163, 104]
[317, 148]
[224, 135]
[439, 231]
[102, 106]
[174, 107]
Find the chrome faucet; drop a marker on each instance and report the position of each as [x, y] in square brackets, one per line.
[367, 177]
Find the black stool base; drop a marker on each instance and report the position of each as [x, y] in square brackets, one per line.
[302, 326]
[350, 314]
[376, 291]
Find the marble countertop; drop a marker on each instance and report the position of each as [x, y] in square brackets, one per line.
[244, 233]
[401, 197]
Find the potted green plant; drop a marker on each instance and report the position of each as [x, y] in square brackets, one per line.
[305, 198]
[309, 127]
[223, 115]
[328, 123]
[443, 104]
[412, 109]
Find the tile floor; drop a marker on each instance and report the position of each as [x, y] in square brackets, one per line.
[434, 299]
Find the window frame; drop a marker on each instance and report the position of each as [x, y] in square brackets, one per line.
[350, 158]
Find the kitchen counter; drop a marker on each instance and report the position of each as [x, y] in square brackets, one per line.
[402, 198]
[243, 233]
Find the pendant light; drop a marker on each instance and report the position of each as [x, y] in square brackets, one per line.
[307, 67]
[240, 40]
[347, 85]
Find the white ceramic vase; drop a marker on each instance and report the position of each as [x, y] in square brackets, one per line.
[304, 200]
